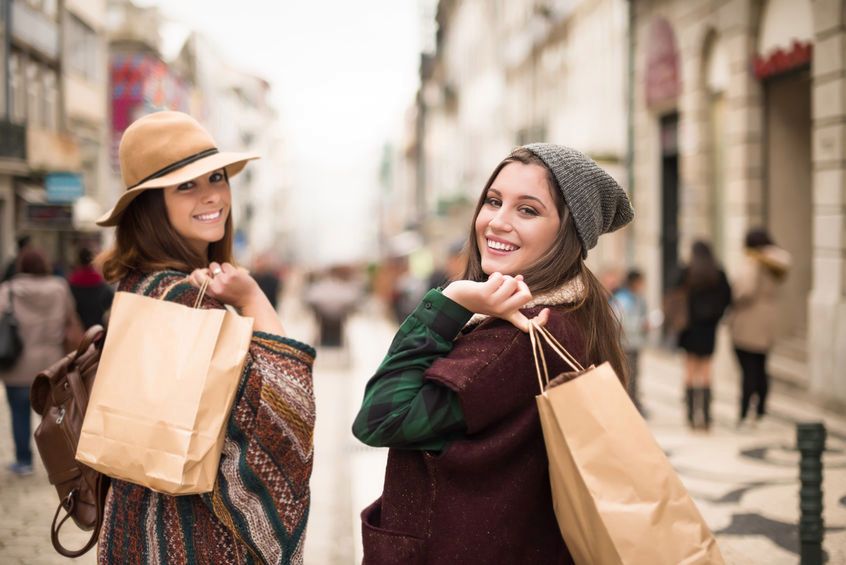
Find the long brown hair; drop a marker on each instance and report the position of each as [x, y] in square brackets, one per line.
[561, 263]
[704, 272]
[146, 241]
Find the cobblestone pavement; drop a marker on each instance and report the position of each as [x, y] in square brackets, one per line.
[745, 482]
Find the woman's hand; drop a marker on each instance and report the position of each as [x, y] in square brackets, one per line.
[234, 286]
[501, 296]
[227, 283]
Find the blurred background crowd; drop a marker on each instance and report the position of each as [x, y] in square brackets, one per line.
[378, 122]
[717, 116]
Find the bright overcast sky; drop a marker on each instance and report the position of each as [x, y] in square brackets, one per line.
[343, 72]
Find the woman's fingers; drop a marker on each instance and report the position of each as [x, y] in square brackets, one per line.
[508, 287]
[215, 269]
[542, 318]
[519, 320]
[518, 296]
[197, 277]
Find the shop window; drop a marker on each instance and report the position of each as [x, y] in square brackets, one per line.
[34, 94]
[50, 99]
[17, 62]
[82, 49]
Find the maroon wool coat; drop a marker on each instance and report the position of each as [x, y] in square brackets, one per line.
[486, 497]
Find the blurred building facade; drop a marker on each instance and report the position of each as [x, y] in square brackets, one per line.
[53, 118]
[739, 121]
[716, 115]
[506, 73]
[73, 75]
[235, 106]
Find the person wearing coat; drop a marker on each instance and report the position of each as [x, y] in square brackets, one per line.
[174, 234]
[92, 294]
[754, 315]
[46, 315]
[467, 478]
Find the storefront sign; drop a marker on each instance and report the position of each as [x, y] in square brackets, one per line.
[48, 216]
[63, 187]
[783, 60]
[663, 77]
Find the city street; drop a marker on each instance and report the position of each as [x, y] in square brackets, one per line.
[745, 482]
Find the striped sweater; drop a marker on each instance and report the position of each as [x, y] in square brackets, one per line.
[258, 510]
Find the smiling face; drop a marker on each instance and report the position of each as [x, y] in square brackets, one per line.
[198, 209]
[518, 221]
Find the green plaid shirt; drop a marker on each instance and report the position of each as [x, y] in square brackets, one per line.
[400, 408]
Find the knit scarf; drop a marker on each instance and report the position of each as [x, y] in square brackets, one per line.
[568, 293]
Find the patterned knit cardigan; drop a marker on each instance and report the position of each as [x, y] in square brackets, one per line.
[258, 510]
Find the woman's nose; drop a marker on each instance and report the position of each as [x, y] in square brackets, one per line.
[500, 222]
[210, 193]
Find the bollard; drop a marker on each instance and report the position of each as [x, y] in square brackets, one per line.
[810, 441]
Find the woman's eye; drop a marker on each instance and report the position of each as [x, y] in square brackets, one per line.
[529, 211]
[493, 202]
[216, 177]
[186, 186]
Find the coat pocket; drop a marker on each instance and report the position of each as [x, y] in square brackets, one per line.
[387, 547]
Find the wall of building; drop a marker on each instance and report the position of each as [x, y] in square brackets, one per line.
[827, 305]
[742, 136]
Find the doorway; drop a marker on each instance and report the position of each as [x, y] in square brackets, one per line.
[669, 201]
[788, 195]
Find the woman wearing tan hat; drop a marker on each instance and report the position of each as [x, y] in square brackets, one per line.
[173, 231]
[467, 479]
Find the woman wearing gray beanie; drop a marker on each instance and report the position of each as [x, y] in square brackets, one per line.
[467, 477]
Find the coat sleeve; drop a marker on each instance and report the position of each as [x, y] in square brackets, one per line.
[262, 490]
[746, 283]
[492, 368]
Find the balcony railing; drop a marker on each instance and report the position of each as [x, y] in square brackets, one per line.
[12, 140]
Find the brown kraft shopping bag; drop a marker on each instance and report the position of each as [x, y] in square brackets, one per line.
[616, 496]
[165, 385]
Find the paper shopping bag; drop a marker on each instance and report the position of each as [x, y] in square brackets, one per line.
[165, 385]
[617, 499]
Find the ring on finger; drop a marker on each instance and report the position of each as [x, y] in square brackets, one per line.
[216, 271]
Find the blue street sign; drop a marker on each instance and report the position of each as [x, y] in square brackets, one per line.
[63, 187]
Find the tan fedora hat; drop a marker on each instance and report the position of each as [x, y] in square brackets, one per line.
[163, 149]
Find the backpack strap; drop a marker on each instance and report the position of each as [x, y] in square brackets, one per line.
[91, 335]
[68, 504]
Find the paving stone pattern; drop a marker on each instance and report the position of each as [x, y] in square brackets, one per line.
[745, 481]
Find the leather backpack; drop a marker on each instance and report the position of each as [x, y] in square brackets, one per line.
[60, 395]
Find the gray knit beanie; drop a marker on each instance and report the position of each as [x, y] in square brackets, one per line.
[597, 203]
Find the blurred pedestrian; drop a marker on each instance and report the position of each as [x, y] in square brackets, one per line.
[408, 289]
[173, 234]
[268, 277]
[707, 294]
[333, 297]
[467, 478]
[44, 308]
[754, 315]
[11, 267]
[92, 294]
[611, 277]
[630, 306]
[452, 268]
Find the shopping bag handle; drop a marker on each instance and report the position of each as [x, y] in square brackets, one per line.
[537, 335]
[202, 294]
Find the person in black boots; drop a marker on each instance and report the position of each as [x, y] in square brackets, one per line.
[708, 295]
[754, 315]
